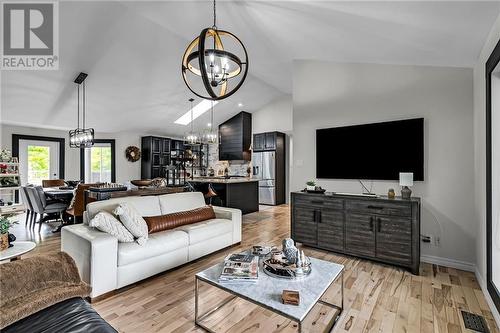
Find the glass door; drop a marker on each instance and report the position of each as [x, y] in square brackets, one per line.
[98, 163]
[38, 160]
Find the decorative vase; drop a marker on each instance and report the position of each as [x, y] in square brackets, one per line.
[4, 242]
[310, 187]
[405, 192]
[391, 194]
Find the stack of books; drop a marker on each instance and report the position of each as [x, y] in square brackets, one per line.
[242, 267]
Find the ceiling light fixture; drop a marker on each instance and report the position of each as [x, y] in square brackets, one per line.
[81, 137]
[198, 110]
[206, 57]
[210, 135]
[191, 138]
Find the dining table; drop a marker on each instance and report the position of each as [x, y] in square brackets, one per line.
[61, 194]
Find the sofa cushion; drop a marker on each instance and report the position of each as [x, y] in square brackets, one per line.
[157, 244]
[170, 203]
[177, 219]
[107, 223]
[146, 206]
[202, 231]
[133, 221]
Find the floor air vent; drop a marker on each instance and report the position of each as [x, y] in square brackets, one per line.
[475, 322]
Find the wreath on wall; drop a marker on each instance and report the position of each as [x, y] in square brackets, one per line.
[133, 153]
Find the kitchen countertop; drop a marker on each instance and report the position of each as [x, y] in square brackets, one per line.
[217, 180]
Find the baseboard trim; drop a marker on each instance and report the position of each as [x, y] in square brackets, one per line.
[482, 284]
[452, 263]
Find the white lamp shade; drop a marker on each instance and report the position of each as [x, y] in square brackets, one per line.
[406, 178]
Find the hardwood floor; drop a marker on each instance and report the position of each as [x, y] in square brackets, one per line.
[378, 298]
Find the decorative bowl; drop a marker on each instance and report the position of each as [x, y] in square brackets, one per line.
[141, 182]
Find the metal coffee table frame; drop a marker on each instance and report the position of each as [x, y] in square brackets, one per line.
[200, 317]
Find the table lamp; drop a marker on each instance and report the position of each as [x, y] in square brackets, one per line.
[405, 180]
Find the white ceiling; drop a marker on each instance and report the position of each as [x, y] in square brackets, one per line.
[132, 53]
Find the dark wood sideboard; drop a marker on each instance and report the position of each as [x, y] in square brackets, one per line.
[376, 228]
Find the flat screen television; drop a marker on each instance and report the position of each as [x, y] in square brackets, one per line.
[378, 151]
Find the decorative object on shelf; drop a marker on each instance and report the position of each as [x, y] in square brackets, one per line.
[291, 297]
[9, 181]
[210, 135]
[5, 155]
[205, 58]
[191, 138]
[405, 180]
[159, 182]
[5, 225]
[391, 194]
[141, 182]
[81, 137]
[132, 153]
[311, 185]
[289, 250]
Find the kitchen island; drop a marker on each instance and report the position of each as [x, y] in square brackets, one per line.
[233, 192]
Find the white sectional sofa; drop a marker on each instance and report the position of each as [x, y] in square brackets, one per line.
[107, 265]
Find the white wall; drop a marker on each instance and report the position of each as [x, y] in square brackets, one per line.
[125, 170]
[277, 116]
[480, 155]
[346, 94]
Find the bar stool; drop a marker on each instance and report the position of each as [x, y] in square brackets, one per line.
[210, 193]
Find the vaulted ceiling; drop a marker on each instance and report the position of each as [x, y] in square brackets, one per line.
[132, 53]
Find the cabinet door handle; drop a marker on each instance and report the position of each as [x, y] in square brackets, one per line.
[375, 207]
[317, 202]
[319, 216]
[379, 225]
[371, 224]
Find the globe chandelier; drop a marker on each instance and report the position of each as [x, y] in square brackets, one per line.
[81, 137]
[191, 137]
[222, 72]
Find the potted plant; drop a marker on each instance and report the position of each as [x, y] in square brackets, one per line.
[311, 185]
[5, 225]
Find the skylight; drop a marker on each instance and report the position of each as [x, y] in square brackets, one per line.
[198, 110]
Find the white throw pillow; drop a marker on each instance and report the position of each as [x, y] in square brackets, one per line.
[106, 222]
[133, 221]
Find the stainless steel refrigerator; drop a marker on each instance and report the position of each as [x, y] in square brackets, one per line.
[264, 169]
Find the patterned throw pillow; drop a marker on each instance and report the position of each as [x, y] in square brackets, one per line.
[133, 221]
[106, 222]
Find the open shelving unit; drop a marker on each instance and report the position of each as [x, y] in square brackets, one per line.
[10, 193]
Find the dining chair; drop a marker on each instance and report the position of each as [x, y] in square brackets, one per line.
[77, 206]
[53, 182]
[42, 208]
[27, 203]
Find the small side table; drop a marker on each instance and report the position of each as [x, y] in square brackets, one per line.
[15, 252]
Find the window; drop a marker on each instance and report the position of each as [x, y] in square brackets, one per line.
[98, 162]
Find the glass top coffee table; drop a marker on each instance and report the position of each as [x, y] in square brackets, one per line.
[316, 290]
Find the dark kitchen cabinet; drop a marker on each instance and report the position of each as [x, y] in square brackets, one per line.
[235, 136]
[259, 142]
[382, 229]
[265, 141]
[155, 156]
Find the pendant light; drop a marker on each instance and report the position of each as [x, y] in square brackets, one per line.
[81, 137]
[210, 135]
[209, 70]
[191, 138]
